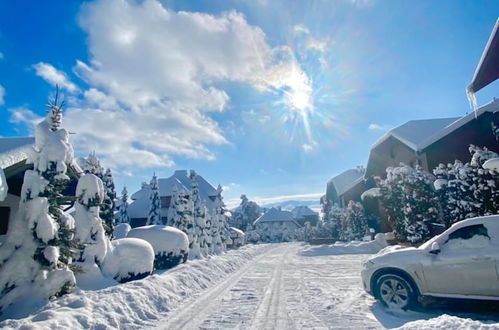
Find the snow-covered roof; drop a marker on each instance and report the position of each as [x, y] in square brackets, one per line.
[419, 134]
[14, 150]
[346, 180]
[302, 211]
[274, 214]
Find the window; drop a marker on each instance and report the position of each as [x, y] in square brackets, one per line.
[470, 237]
[469, 232]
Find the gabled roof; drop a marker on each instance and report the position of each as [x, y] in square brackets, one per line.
[420, 134]
[346, 180]
[14, 150]
[302, 211]
[274, 215]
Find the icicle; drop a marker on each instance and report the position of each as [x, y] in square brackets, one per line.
[472, 99]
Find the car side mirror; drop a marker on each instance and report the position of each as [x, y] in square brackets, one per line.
[435, 248]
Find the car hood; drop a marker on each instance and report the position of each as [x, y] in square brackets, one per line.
[397, 253]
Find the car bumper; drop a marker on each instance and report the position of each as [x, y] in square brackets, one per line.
[366, 279]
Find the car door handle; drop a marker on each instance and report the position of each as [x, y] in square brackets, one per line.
[481, 258]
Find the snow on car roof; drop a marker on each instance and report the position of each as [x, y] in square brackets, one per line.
[419, 134]
[14, 150]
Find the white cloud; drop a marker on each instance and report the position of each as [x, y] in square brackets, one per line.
[23, 115]
[377, 127]
[316, 45]
[300, 29]
[54, 76]
[2, 95]
[230, 186]
[284, 198]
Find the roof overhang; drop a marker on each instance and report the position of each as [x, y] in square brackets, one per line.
[487, 70]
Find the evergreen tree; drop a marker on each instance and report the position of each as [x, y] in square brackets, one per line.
[154, 217]
[182, 218]
[123, 216]
[108, 205]
[355, 221]
[247, 212]
[197, 244]
[38, 251]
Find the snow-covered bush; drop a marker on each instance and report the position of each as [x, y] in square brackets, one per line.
[237, 236]
[89, 232]
[410, 200]
[170, 245]
[246, 213]
[252, 235]
[128, 259]
[354, 225]
[121, 230]
[39, 246]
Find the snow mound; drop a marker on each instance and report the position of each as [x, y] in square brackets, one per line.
[492, 164]
[449, 322]
[138, 304]
[353, 247]
[128, 259]
[171, 245]
[121, 230]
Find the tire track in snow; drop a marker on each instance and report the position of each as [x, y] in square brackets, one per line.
[192, 316]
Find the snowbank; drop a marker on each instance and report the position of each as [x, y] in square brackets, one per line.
[171, 245]
[121, 230]
[128, 259]
[137, 304]
[353, 247]
[449, 322]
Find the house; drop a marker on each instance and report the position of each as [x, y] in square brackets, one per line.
[13, 155]
[179, 181]
[344, 187]
[276, 225]
[430, 142]
[303, 214]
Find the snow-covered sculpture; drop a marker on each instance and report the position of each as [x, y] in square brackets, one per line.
[154, 217]
[170, 245]
[89, 232]
[39, 247]
[128, 259]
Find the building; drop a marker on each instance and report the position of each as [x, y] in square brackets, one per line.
[179, 181]
[303, 214]
[344, 187]
[13, 155]
[276, 225]
[430, 142]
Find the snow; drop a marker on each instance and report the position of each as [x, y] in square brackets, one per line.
[275, 215]
[371, 193]
[302, 211]
[121, 230]
[14, 150]
[353, 247]
[4, 188]
[128, 257]
[492, 164]
[346, 180]
[163, 239]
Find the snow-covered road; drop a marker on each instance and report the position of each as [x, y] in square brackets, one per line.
[284, 288]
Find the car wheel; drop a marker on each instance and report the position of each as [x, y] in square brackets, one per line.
[395, 291]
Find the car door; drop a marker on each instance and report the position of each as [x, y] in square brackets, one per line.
[466, 264]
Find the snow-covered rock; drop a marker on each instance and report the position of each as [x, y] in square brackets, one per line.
[128, 259]
[121, 230]
[171, 245]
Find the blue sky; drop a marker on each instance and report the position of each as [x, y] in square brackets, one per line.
[267, 98]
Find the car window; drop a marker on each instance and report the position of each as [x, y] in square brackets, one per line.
[475, 236]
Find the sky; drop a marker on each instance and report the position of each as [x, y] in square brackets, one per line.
[269, 98]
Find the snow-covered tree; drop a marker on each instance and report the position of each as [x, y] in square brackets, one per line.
[410, 200]
[154, 217]
[89, 232]
[198, 213]
[108, 205]
[123, 216]
[355, 222]
[181, 205]
[332, 224]
[247, 212]
[39, 247]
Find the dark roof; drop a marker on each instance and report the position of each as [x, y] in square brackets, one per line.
[488, 68]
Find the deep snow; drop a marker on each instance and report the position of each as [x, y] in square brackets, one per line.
[271, 286]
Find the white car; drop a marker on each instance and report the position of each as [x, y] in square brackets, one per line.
[462, 262]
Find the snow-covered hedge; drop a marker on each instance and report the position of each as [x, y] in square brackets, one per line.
[128, 259]
[171, 245]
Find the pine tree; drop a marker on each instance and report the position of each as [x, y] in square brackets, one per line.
[38, 251]
[154, 217]
[355, 221]
[182, 217]
[123, 216]
[108, 205]
[199, 222]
